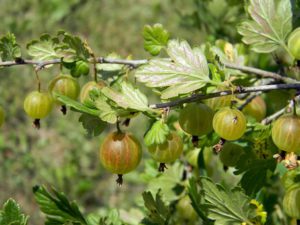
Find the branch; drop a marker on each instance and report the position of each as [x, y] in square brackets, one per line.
[277, 114]
[241, 90]
[136, 63]
[260, 72]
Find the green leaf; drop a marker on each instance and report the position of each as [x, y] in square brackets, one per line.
[76, 105]
[112, 218]
[186, 72]
[157, 134]
[158, 212]
[107, 112]
[77, 45]
[270, 25]
[93, 124]
[155, 38]
[11, 214]
[226, 207]
[127, 97]
[198, 201]
[168, 182]
[255, 176]
[9, 49]
[58, 209]
[47, 48]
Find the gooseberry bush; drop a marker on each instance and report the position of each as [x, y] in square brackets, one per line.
[218, 103]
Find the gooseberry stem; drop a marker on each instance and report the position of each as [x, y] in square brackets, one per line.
[118, 126]
[38, 80]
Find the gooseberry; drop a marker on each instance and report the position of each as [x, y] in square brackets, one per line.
[168, 151]
[38, 105]
[196, 119]
[286, 133]
[229, 124]
[294, 43]
[120, 153]
[84, 93]
[291, 202]
[256, 108]
[81, 68]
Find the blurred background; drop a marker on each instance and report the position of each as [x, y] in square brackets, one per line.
[60, 153]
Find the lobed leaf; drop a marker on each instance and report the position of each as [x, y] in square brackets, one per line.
[9, 49]
[93, 124]
[271, 23]
[255, 176]
[157, 134]
[226, 207]
[186, 72]
[58, 209]
[155, 38]
[127, 97]
[158, 212]
[11, 214]
[47, 48]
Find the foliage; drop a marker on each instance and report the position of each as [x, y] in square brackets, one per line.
[145, 97]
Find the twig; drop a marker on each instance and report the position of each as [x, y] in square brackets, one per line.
[259, 72]
[280, 112]
[136, 63]
[197, 97]
[248, 100]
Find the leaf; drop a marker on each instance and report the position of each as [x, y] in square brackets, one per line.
[168, 181]
[58, 209]
[155, 38]
[226, 207]
[198, 202]
[11, 214]
[158, 212]
[255, 176]
[157, 134]
[93, 124]
[76, 44]
[9, 49]
[47, 48]
[186, 72]
[271, 23]
[127, 97]
[76, 105]
[107, 112]
[112, 218]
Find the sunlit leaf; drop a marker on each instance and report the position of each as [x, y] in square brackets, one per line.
[155, 38]
[47, 48]
[186, 72]
[270, 25]
[157, 134]
[127, 97]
